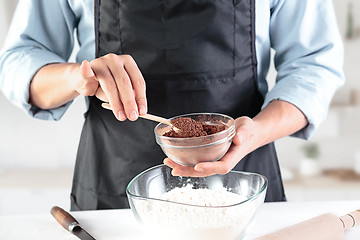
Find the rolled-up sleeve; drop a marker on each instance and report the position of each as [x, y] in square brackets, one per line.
[41, 33]
[308, 58]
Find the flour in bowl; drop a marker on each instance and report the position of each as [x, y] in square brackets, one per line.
[199, 213]
[203, 196]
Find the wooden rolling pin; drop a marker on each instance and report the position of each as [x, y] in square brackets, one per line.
[324, 227]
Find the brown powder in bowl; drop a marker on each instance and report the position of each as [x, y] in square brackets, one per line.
[188, 128]
[212, 129]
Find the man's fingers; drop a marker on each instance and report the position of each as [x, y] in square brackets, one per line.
[86, 71]
[100, 94]
[242, 130]
[170, 163]
[138, 84]
[89, 82]
[121, 84]
[224, 165]
[126, 91]
[185, 171]
[179, 170]
[109, 87]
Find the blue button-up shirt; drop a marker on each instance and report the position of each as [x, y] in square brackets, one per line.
[303, 33]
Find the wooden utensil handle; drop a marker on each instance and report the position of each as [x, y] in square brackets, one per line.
[323, 227]
[64, 218]
[106, 106]
[351, 220]
[146, 116]
[156, 118]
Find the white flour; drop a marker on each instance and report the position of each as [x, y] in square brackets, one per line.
[202, 197]
[198, 222]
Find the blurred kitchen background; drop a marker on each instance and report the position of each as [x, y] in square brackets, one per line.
[37, 157]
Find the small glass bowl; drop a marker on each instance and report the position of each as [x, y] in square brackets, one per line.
[190, 151]
[187, 221]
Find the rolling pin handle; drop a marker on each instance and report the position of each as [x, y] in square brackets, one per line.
[351, 220]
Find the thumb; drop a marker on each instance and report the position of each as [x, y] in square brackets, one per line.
[239, 137]
[86, 71]
[242, 130]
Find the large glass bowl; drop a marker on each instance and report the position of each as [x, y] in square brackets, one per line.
[176, 220]
[190, 151]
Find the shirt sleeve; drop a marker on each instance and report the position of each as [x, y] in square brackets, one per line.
[41, 33]
[308, 58]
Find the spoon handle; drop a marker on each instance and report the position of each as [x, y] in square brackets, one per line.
[156, 119]
[146, 116]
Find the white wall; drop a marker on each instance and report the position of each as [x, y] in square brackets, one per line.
[7, 7]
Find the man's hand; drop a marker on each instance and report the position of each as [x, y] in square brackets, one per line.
[277, 120]
[115, 79]
[244, 141]
[112, 78]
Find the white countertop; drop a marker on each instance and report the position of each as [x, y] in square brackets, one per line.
[121, 224]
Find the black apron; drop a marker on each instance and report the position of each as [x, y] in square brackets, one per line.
[195, 56]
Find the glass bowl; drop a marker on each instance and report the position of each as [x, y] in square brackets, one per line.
[190, 151]
[178, 220]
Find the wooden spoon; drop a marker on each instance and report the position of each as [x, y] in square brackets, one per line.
[149, 117]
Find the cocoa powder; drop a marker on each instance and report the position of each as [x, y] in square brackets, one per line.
[188, 128]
